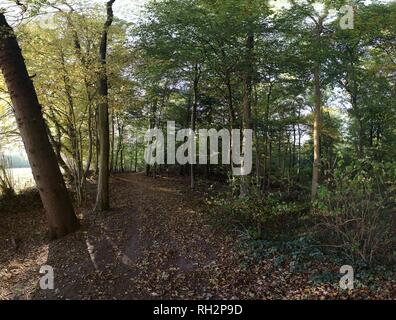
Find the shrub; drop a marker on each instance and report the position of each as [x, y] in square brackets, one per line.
[7, 183]
[357, 212]
[253, 211]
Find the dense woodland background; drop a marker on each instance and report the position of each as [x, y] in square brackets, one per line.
[321, 100]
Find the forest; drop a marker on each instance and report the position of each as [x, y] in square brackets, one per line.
[140, 121]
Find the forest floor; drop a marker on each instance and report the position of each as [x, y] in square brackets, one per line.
[156, 243]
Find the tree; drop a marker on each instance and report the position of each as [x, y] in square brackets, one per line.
[54, 195]
[102, 199]
[318, 110]
[316, 48]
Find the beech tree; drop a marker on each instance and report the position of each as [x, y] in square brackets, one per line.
[54, 195]
[102, 199]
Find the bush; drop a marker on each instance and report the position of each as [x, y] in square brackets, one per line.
[357, 212]
[252, 212]
[28, 199]
[7, 182]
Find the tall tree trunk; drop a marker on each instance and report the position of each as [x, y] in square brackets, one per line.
[90, 143]
[247, 95]
[231, 111]
[112, 142]
[102, 199]
[152, 123]
[230, 100]
[97, 143]
[58, 206]
[194, 116]
[299, 144]
[269, 181]
[136, 154]
[317, 115]
[267, 135]
[119, 151]
[122, 160]
[316, 133]
[257, 138]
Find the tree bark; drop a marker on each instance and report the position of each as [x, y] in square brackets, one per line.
[54, 195]
[317, 116]
[194, 116]
[267, 135]
[112, 142]
[316, 134]
[136, 154]
[90, 143]
[102, 199]
[247, 104]
[58, 154]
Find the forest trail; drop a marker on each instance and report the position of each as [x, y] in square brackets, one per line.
[155, 243]
[152, 244]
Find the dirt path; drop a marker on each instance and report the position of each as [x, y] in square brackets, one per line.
[153, 244]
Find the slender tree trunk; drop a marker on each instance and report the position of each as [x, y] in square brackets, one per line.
[299, 145]
[57, 146]
[194, 117]
[112, 142]
[269, 181]
[257, 138]
[361, 139]
[86, 68]
[136, 154]
[317, 116]
[230, 100]
[152, 122]
[267, 135]
[102, 199]
[119, 152]
[97, 143]
[280, 149]
[316, 133]
[90, 143]
[73, 134]
[122, 159]
[247, 104]
[231, 111]
[58, 206]
[294, 157]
